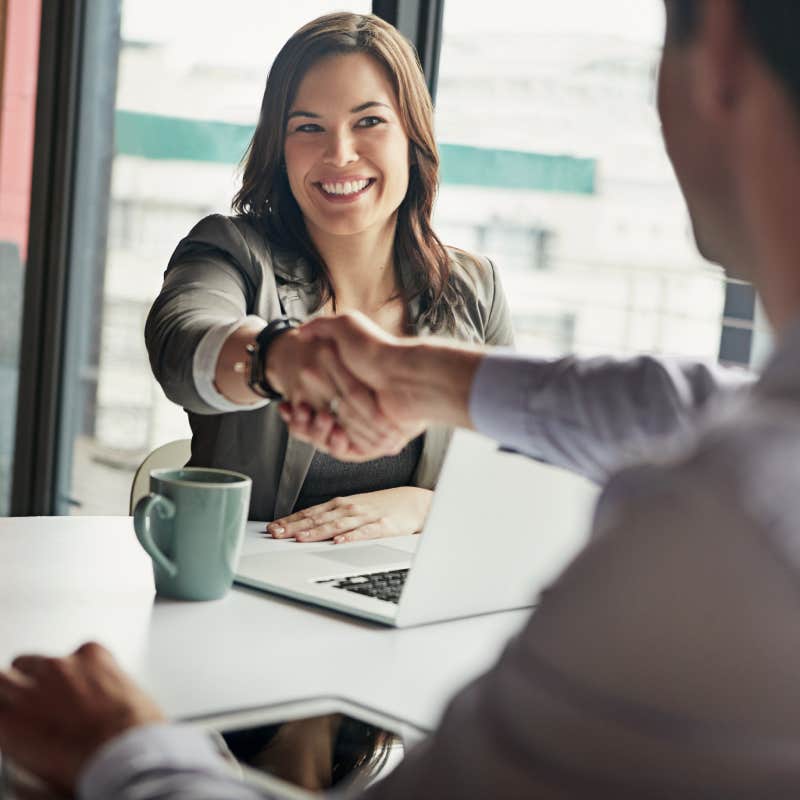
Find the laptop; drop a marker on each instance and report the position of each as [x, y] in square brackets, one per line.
[501, 527]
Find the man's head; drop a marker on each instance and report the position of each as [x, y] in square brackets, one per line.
[729, 99]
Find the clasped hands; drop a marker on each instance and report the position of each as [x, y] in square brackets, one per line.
[336, 376]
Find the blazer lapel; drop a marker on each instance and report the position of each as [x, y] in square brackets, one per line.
[297, 299]
[296, 461]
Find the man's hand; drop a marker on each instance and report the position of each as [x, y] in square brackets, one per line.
[311, 375]
[371, 515]
[415, 382]
[55, 713]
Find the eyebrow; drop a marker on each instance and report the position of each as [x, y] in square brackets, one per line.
[356, 110]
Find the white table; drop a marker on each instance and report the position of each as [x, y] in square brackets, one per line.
[65, 580]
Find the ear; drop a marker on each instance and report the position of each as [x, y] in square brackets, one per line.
[720, 57]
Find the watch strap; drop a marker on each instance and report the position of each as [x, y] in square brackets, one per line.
[257, 378]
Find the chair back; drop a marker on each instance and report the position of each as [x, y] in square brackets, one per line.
[172, 454]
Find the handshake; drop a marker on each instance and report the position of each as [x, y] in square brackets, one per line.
[356, 392]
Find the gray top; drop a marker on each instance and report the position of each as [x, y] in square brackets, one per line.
[328, 478]
[225, 269]
[663, 662]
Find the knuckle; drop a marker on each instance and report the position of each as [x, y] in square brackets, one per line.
[92, 650]
[306, 375]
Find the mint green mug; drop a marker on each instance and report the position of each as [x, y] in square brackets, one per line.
[192, 527]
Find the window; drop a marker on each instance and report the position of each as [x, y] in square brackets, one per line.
[182, 91]
[553, 165]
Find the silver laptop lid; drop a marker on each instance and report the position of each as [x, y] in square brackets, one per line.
[502, 526]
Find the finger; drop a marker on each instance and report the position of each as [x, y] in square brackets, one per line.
[31, 665]
[12, 684]
[358, 406]
[315, 381]
[299, 421]
[328, 530]
[340, 446]
[94, 651]
[322, 425]
[278, 527]
[300, 527]
[376, 529]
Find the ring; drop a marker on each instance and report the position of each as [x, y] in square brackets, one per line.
[333, 405]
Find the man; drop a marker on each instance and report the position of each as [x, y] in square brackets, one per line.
[664, 661]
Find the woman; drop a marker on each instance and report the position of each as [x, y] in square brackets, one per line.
[333, 214]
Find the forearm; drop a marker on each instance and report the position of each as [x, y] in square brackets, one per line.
[161, 762]
[592, 414]
[586, 414]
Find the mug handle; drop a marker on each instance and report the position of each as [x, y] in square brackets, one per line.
[143, 523]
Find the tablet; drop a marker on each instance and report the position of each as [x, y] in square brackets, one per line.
[301, 748]
[294, 750]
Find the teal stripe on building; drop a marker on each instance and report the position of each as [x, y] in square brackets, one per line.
[173, 138]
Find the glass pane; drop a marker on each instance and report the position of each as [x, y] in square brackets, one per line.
[553, 165]
[19, 56]
[185, 100]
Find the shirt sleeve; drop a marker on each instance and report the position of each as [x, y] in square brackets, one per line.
[642, 672]
[593, 415]
[204, 367]
[162, 762]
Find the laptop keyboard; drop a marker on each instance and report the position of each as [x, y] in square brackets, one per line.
[381, 585]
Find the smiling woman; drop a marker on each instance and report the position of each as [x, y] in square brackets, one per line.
[334, 213]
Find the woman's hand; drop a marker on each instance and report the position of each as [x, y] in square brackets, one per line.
[373, 515]
[311, 375]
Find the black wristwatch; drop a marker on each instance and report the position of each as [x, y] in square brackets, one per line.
[257, 378]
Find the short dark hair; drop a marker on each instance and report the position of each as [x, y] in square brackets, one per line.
[772, 25]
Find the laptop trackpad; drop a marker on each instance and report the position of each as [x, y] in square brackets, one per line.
[367, 556]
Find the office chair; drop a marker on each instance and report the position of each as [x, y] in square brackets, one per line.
[172, 454]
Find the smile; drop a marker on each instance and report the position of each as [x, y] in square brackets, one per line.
[345, 190]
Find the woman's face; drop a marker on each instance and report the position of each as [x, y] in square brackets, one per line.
[346, 150]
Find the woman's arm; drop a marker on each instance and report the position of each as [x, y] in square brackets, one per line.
[210, 282]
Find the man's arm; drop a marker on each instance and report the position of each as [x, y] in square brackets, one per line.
[162, 762]
[590, 415]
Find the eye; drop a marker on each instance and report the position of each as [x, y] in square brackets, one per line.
[308, 127]
[369, 122]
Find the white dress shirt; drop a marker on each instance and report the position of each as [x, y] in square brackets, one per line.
[664, 661]
[204, 366]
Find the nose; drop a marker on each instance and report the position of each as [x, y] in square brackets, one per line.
[341, 148]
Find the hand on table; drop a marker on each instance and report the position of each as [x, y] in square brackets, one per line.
[373, 515]
[55, 713]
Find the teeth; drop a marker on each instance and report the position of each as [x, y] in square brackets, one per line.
[344, 187]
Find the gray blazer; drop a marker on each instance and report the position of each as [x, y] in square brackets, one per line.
[225, 269]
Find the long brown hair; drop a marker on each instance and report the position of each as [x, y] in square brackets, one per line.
[266, 197]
